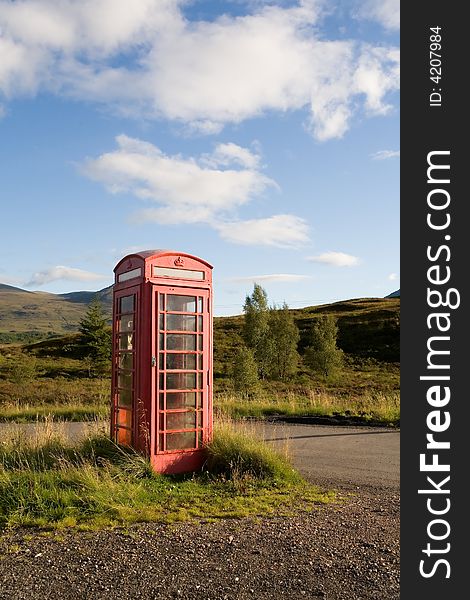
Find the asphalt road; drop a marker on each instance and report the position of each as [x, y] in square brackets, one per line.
[340, 456]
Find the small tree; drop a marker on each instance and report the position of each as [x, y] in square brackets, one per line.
[23, 368]
[322, 354]
[284, 334]
[245, 372]
[95, 338]
[256, 331]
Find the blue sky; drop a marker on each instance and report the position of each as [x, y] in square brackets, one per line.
[261, 136]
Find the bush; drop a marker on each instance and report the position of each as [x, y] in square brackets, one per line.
[237, 454]
[22, 368]
[245, 372]
[322, 355]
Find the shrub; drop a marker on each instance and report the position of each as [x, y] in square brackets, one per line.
[245, 372]
[322, 354]
[237, 454]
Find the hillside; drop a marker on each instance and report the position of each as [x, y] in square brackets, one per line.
[369, 328]
[27, 316]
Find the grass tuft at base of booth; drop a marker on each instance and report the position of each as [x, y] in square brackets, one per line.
[47, 482]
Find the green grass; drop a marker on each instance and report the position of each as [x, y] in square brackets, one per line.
[46, 482]
[72, 413]
[68, 399]
[36, 381]
[377, 407]
[372, 394]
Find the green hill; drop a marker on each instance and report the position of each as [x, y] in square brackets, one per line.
[367, 386]
[27, 316]
[368, 327]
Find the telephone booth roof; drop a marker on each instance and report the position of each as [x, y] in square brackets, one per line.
[148, 255]
[153, 265]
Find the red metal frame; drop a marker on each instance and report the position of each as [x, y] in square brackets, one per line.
[119, 352]
[165, 377]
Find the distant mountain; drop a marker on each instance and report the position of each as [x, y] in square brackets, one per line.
[9, 288]
[27, 316]
[394, 294]
[105, 296]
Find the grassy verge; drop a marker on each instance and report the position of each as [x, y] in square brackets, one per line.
[28, 414]
[373, 406]
[33, 387]
[67, 399]
[365, 388]
[378, 407]
[47, 482]
[58, 391]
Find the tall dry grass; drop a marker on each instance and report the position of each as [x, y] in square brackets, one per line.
[377, 406]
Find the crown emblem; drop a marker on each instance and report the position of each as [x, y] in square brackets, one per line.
[179, 262]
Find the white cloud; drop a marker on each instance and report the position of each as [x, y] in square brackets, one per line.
[203, 74]
[275, 277]
[385, 12]
[229, 154]
[187, 190]
[60, 273]
[207, 189]
[335, 259]
[385, 154]
[393, 277]
[283, 231]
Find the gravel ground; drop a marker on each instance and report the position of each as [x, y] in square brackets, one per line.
[349, 550]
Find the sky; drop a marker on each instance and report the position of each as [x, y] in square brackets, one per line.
[261, 136]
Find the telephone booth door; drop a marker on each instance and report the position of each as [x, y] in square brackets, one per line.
[123, 407]
[182, 354]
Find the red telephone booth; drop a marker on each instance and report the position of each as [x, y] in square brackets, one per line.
[162, 358]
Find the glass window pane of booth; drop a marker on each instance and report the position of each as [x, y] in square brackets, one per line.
[126, 323]
[126, 360]
[126, 341]
[125, 379]
[175, 400]
[180, 341]
[124, 345]
[180, 322]
[126, 304]
[181, 303]
[181, 381]
[124, 417]
[181, 441]
[125, 398]
[180, 364]
[181, 361]
[181, 420]
[123, 436]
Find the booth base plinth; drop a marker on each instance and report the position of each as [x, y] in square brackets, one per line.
[178, 462]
